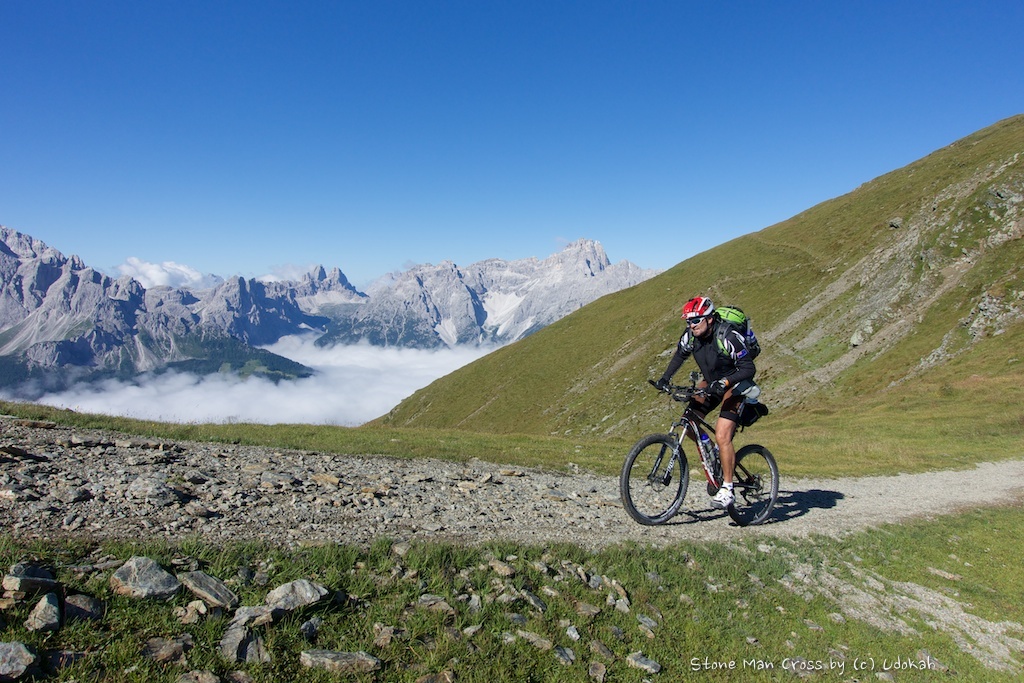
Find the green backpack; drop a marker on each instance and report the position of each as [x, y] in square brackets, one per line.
[737, 320]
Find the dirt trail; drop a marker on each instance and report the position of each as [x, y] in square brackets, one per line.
[837, 507]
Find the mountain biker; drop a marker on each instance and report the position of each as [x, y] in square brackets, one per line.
[722, 368]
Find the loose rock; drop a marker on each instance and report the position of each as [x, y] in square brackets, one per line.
[15, 660]
[296, 594]
[79, 606]
[142, 577]
[46, 614]
[29, 578]
[212, 590]
[339, 662]
[638, 661]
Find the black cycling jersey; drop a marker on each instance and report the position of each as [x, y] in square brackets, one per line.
[733, 362]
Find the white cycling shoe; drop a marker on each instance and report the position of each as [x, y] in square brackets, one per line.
[723, 499]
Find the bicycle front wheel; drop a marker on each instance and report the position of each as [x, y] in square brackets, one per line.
[755, 485]
[654, 479]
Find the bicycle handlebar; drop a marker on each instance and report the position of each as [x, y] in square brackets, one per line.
[680, 392]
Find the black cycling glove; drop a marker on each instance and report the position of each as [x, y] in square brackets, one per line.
[717, 389]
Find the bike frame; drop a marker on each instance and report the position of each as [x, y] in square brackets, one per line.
[693, 426]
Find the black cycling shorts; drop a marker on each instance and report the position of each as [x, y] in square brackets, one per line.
[730, 406]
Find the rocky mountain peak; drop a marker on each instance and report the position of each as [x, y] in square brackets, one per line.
[58, 314]
[491, 301]
[588, 256]
[21, 246]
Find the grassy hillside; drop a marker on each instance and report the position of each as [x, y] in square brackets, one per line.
[921, 268]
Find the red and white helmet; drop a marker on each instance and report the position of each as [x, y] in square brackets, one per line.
[698, 307]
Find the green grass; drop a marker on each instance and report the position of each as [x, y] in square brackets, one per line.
[715, 605]
[971, 547]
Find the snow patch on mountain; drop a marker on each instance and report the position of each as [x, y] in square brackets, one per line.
[447, 331]
[501, 308]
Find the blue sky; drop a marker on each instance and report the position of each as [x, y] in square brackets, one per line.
[254, 137]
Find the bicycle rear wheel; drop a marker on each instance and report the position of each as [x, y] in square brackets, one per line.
[755, 485]
[654, 479]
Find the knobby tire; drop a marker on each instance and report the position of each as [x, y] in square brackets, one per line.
[755, 485]
[652, 494]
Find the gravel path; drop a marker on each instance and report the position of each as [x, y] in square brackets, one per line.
[56, 481]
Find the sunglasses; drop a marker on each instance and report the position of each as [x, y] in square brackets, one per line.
[693, 322]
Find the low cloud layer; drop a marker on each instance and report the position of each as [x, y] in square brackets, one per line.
[352, 385]
[165, 274]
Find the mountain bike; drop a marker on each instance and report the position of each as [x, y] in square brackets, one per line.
[656, 474]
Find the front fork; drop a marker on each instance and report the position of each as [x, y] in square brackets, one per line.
[659, 477]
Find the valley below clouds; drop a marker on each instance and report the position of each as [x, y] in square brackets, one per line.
[352, 384]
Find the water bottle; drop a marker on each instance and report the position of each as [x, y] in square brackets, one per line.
[710, 452]
[705, 445]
